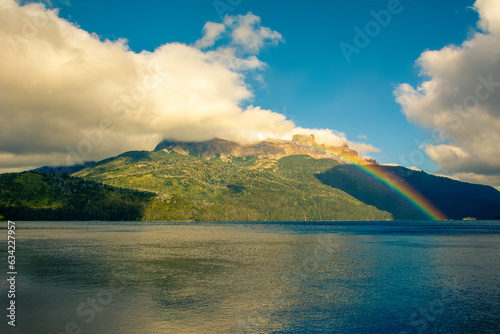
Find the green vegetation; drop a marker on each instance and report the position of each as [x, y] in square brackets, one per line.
[455, 199]
[191, 188]
[167, 186]
[39, 196]
[369, 190]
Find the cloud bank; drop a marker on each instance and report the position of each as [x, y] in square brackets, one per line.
[66, 96]
[460, 101]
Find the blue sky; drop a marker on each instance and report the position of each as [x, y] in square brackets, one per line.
[241, 70]
[308, 77]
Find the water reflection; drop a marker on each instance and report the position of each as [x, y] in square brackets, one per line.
[230, 278]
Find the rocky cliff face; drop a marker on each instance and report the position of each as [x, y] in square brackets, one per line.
[270, 148]
[343, 152]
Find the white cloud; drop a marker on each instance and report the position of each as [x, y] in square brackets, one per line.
[66, 96]
[460, 100]
[247, 32]
[390, 164]
[489, 12]
[212, 31]
[226, 56]
[243, 31]
[478, 178]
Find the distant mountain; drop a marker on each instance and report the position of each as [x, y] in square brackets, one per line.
[63, 169]
[457, 200]
[220, 180]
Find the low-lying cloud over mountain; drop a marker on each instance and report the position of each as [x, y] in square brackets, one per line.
[460, 100]
[66, 96]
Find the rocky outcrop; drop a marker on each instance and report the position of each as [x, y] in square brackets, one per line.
[345, 153]
[270, 148]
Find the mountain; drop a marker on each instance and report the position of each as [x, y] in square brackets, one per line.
[223, 187]
[220, 180]
[457, 200]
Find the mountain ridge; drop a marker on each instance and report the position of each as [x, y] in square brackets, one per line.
[269, 148]
[192, 187]
[220, 180]
[455, 199]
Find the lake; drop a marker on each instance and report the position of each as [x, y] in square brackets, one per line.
[341, 277]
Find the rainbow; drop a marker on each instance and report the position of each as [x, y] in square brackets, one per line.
[398, 185]
[403, 189]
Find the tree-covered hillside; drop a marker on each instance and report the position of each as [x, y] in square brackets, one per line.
[192, 188]
[39, 196]
[457, 200]
[177, 184]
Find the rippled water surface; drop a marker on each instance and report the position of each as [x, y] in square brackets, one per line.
[116, 277]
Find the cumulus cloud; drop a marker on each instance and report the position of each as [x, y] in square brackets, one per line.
[66, 96]
[460, 100]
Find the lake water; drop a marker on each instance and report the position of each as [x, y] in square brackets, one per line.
[122, 277]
